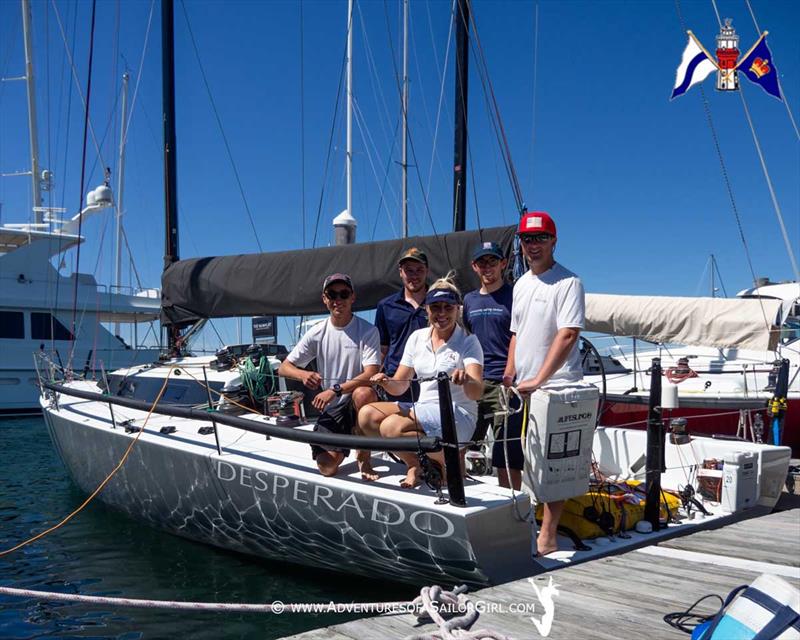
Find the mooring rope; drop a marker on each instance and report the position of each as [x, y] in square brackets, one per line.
[276, 607]
[100, 487]
[432, 601]
[452, 611]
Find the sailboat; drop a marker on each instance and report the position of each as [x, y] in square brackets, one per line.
[199, 464]
[44, 312]
[722, 363]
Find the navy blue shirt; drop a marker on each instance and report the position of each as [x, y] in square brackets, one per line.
[396, 319]
[488, 316]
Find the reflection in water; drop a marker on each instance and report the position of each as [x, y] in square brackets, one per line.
[102, 552]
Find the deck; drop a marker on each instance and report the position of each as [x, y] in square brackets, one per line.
[624, 596]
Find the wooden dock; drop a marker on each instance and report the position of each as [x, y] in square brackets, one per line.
[623, 596]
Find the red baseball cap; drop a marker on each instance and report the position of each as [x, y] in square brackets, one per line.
[537, 222]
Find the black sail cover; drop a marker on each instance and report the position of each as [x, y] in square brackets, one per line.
[289, 283]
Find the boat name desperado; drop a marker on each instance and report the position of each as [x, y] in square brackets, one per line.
[428, 523]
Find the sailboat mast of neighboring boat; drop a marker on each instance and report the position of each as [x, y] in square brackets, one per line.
[32, 128]
[120, 184]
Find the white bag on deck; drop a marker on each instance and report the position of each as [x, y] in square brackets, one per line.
[557, 441]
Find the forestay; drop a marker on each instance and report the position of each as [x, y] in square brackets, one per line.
[711, 322]
[289, 283]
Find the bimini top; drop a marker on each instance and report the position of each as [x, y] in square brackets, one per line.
[288, 283]
[710, 322]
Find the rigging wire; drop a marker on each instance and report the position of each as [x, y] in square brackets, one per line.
[494, 110]
[533, 106]
[434, 155]
[774, 198]
[385, 178]
[725, 177]
[333, 129]
[362, 127]
[778, 78]
[126, 125]
[410, 137]
[61, 249]
[86, 126]
[84, 100]
[763, 162]
[221, 129]
[302, 129]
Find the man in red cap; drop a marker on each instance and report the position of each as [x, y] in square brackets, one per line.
[547, 316]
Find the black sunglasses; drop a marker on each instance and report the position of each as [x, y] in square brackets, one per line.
[342, 294]
[538, 238]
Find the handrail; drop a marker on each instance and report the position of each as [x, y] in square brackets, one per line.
[424, 443]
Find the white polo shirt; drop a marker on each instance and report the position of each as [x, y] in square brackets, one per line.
[459, 351]
[542, 305]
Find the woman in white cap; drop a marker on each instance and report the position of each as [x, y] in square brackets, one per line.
[443, 346]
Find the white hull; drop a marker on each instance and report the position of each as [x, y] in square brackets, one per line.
[265, 497]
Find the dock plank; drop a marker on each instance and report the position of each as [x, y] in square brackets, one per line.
[618, 596]
[775, 538]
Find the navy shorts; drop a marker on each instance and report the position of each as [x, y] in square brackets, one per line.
[340, 419]
[514, 447]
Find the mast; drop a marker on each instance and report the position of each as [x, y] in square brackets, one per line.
[170, 178]
[349, 160]
[460, 157]
[713, 288]
[405, 119]
[32, 131]
[120, 184]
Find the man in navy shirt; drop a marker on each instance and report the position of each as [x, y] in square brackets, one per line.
[487, 314]
[402, 313]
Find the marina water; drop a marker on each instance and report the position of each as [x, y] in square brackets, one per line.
[102, 552]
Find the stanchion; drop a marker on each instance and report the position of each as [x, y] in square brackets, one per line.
[655, 449]
[452, 460]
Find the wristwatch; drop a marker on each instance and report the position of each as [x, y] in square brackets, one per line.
[337, 389]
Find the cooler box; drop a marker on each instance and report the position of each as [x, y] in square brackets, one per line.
[739, 481]
[558, 441]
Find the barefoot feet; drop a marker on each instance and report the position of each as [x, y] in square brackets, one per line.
[413, 478]
[368, 474]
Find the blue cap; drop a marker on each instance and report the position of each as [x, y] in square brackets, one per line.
[488, 249]
[442, 295]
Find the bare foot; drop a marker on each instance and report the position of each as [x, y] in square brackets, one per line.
[368, 474]
[412, 478]
[328, 462]
[545, 547]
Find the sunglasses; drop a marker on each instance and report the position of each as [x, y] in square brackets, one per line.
[341, 294]
[487, 262]
[537, 238]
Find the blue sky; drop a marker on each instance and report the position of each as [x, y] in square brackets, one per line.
[633, 180]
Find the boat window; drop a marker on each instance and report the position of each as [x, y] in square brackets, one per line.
[12, 324]
[45, 327]
[182, 392]
[790, 330]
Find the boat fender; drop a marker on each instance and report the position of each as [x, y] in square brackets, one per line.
[643, 526]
